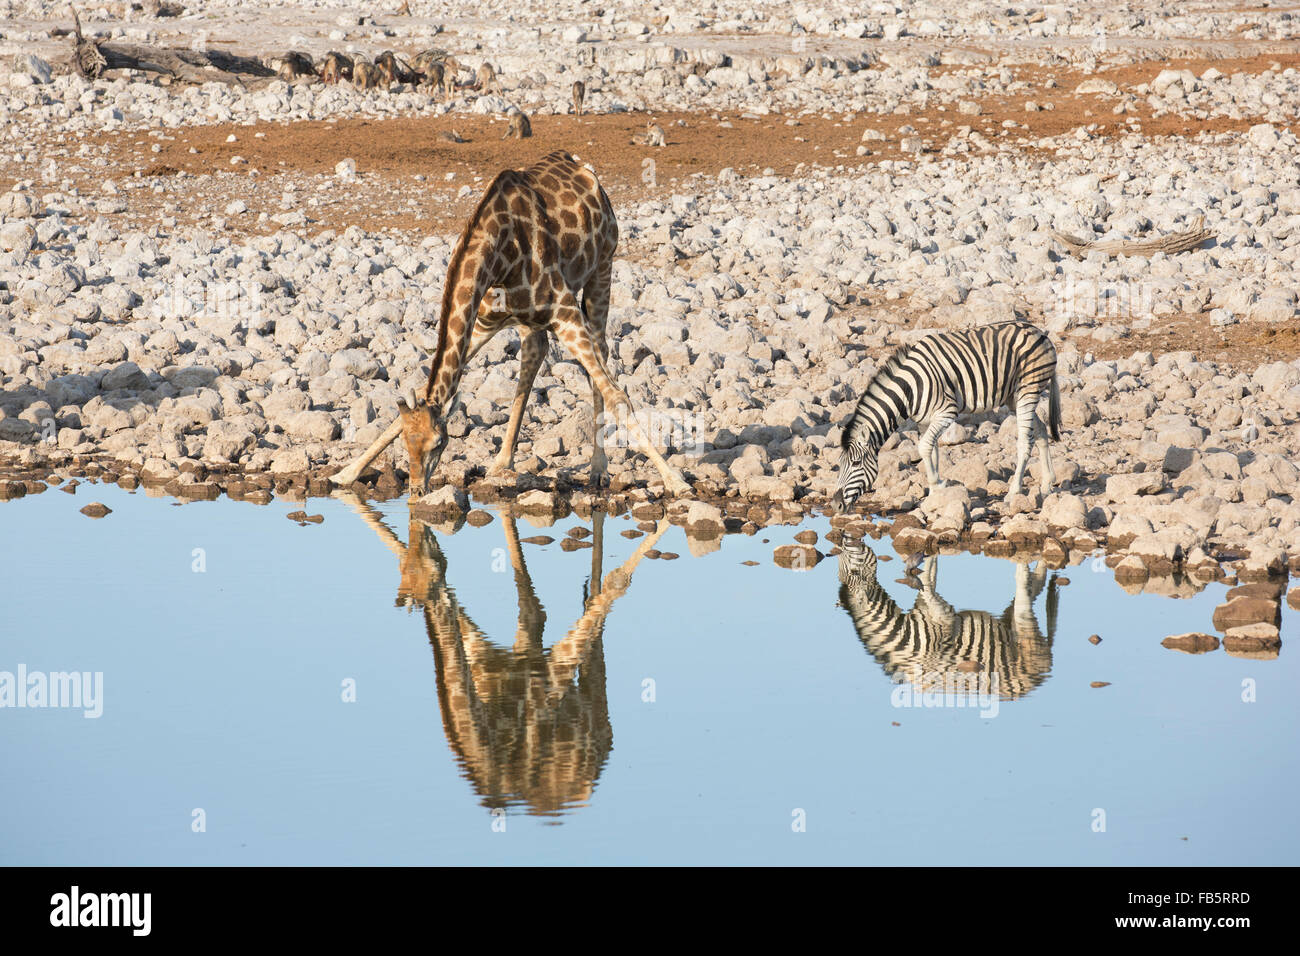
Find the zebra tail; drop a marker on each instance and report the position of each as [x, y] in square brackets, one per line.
[1054, 409]
[1053, 607]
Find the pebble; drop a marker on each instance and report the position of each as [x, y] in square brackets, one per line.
[796, 557]
[1193, 643]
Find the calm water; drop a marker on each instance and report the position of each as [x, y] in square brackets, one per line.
[693, 710]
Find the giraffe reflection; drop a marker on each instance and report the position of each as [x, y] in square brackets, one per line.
[529, 725]
[934, 647]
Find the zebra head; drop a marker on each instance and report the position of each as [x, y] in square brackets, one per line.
[858, 469]
[857, 566]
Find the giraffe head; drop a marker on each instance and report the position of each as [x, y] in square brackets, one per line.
[425, 429]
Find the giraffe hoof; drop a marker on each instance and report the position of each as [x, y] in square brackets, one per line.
[679, 489]
[499, 470]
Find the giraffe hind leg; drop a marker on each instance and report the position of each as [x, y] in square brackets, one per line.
[599, 463]
[595, 312]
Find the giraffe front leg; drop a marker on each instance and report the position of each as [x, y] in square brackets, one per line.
[599, 464]
[579, 341]
[532, 352]
[595, 312]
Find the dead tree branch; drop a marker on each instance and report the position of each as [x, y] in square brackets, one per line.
[1171, 244]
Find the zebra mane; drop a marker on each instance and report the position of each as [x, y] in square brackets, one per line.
[860, 427]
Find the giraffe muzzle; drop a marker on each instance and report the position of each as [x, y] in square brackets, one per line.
[422, 476]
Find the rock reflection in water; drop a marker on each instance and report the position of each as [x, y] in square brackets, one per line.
[528, 725]
[934, 647]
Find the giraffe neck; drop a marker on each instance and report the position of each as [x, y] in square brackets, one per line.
[475, 266]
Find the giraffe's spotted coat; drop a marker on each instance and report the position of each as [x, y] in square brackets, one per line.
[542, 237]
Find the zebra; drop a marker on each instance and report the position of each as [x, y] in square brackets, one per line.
[934, 646]
[941, 375]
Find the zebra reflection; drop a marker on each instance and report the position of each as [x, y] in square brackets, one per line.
[528, 725]
[935, 647]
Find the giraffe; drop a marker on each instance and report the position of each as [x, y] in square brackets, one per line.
[527, 723]
[538, 237]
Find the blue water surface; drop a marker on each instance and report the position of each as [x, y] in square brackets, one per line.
[717, 713]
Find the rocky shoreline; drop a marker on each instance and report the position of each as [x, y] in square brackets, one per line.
[196, 358]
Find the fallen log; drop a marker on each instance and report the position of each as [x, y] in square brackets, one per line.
[91, 58]
[1171, 244]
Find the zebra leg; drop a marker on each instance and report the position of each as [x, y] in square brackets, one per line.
[1024, 599]
[941, 616]
[930, 574]
[1025, 418]
[929, 445]
[1048, 479]
[1029, 584]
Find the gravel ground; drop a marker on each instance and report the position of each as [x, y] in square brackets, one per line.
[242, 318]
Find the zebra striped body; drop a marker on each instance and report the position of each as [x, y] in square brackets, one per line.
[938, 377]
[936, 648]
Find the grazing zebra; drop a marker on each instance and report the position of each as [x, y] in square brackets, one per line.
[934, 647]
[941, 375]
